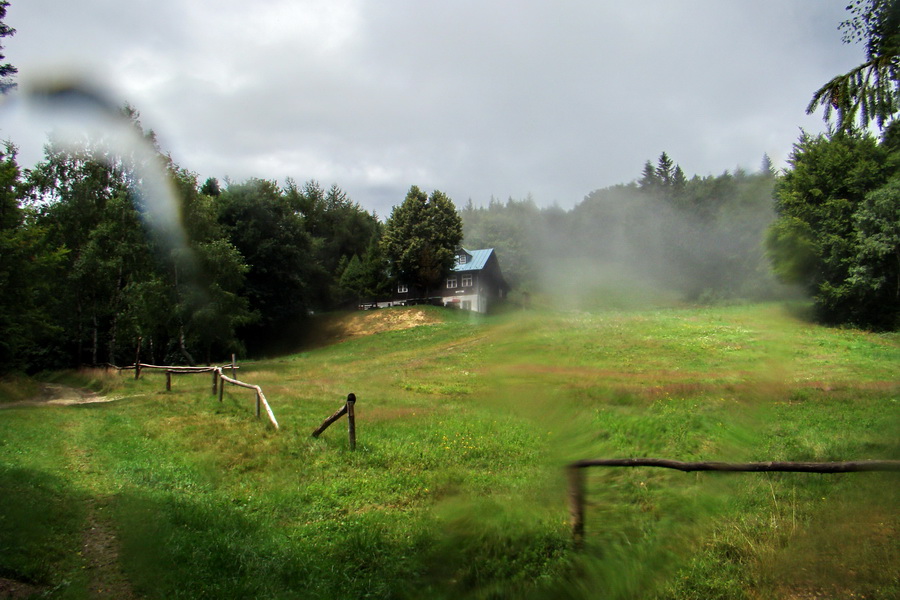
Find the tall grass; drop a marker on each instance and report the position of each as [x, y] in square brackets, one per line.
[456, 487]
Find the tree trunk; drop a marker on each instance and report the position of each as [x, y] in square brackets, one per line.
[112, 339]
[94, 341]
[79, 333]
[182, 348]
[897, 253]
[113, 330]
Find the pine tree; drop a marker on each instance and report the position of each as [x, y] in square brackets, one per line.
[766, 167]
[665, 170]
[871, 91]
[649, 179]
[679, 181]
[6, 70]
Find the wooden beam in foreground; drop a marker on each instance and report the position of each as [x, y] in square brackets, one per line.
[576, 479]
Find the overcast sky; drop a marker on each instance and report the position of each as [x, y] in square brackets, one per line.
[475, 98]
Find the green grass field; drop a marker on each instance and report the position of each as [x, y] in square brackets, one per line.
[457, 487]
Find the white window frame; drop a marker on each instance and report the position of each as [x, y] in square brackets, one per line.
[451, 283]
[462, 259]
[466, 281]
[402, 288]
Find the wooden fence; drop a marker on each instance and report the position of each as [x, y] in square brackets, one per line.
[260, 397]
[219, 379]
[576, 483]
[347, 409]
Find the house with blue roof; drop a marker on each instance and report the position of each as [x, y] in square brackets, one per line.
[475, 283]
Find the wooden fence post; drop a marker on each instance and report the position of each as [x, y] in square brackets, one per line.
[233, 375]
[351, 420]
[258, 401]
[215, 383]
[168, 381]
[221, 386]
[575, 476]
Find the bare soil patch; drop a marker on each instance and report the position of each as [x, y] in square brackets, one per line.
[100, 548]
[54, 394]
[10, 588]
[339, 328]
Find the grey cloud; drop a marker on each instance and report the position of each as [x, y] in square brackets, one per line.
[474, 98]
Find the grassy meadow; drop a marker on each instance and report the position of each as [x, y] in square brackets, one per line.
[457, 488]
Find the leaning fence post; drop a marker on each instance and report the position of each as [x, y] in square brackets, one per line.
[337, 415]
[575, 476]
[221, 385]
[351, 420]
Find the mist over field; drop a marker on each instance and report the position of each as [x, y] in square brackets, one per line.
[638, 244]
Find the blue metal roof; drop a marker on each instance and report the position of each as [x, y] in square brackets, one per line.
[478, 259]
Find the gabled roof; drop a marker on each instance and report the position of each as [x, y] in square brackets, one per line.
[477, 260]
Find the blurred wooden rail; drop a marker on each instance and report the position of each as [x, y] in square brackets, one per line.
[576, 483]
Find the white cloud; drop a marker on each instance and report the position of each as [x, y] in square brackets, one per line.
[476, 98]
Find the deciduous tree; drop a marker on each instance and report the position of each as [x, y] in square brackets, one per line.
[28, 269]
[283, 276]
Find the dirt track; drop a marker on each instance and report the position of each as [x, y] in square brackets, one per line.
[53, 394]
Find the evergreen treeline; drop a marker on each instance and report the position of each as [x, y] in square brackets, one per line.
[663, 235]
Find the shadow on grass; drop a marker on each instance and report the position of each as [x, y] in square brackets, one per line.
[218, 548]
[197, 547]
[41, 521]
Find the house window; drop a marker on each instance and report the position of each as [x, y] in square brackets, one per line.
[462, 259]
[402, 288]
[451, 282]
[467, 281]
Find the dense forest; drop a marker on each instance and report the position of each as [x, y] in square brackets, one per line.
[87, 277]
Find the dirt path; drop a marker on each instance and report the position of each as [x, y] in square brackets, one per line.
[17, 589]
[100, 548]
[99, 542]
[54, 394]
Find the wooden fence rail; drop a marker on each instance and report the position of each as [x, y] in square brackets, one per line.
[576, 483]
[182, 368]
[218, 382]
[260, 397]
[183, 371]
